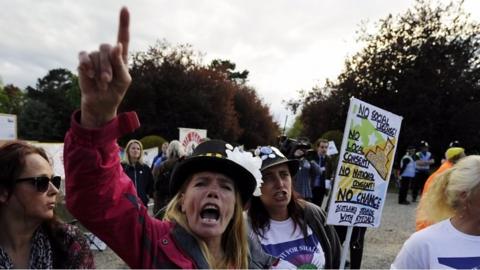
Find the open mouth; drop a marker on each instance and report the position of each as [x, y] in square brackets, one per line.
[280, 195]
[210, 213]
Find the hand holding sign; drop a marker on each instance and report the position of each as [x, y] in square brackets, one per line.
[104, 77]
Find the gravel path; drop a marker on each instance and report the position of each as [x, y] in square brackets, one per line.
[381, 244]
[107, 259]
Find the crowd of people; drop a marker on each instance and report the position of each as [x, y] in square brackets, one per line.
[220, 206]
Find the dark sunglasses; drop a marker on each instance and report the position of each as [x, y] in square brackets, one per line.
[41, 182]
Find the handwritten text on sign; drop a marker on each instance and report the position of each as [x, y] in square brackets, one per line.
[366, 159]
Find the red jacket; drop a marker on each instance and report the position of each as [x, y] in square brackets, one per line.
[102, 197]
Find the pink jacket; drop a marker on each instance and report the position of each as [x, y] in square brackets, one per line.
[102, 197]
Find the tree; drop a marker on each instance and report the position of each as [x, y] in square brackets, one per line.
[228, 68]
[36, 121]
[297, 129]
[172, 89]
[258, 127]
[57, 95]
[422, 65]
[464, 123]
[11, 99]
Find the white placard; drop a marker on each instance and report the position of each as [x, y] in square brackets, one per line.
[190, 138]
[149, 154]
[332, 148]
[8, 127]
[365, 163]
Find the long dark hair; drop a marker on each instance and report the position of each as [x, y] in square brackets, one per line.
[12, 164]
[260, 218]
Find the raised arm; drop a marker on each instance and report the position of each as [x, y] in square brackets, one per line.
[104, 77]
[98, 193]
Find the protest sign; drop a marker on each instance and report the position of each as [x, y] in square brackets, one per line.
[149, 154]
[190, 138]
[364, 167]
[332, 148]
[8, 127]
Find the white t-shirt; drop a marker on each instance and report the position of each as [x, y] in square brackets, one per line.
[439, 246]
[293, 250]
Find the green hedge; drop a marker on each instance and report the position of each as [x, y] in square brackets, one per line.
[152, 141]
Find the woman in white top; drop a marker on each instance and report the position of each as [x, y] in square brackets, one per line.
[286, 226]
[454, 205]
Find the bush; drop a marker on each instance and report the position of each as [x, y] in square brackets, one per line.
[152, 141]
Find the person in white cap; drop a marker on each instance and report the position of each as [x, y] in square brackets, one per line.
[407, 175]
[423, 160]
[287, 226]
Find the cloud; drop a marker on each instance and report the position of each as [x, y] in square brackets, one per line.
[286, 45]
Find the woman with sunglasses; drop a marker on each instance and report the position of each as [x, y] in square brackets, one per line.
[31, 236]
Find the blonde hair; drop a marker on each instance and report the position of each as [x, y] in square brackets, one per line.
[442, 200]
[126, 157]
[234, 239]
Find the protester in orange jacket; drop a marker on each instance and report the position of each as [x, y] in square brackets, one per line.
[453, 155]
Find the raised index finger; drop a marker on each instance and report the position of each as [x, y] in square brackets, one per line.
[123, 32]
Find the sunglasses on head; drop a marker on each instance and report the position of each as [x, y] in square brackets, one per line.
[41, 183]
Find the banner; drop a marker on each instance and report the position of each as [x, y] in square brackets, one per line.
[364, 167]
[149, 154]
[190, 138]
[8, 127]
[332, 148]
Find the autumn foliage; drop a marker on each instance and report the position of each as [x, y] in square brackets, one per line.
[172, 89]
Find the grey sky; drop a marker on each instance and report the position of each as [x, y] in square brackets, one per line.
[286, 45]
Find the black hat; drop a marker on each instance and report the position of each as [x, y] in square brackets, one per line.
[212, 156]
[423, 144]
[271, 156]
[303, 143]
